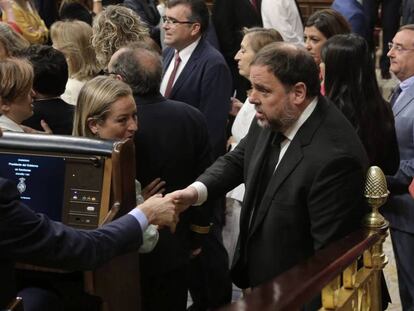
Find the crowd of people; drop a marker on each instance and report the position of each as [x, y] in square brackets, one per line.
[281, 115]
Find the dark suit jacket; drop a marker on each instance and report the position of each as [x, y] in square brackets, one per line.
[205, 83]
[171, 143]
[34, 238]
[57, 113]
[314, 197]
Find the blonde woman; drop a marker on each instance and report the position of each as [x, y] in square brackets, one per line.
[11, 43]
[115, 27]
[106, 109]
[24, 14]
[72, 38]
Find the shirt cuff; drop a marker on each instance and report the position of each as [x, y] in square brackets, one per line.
[140, 217]
[201, 191]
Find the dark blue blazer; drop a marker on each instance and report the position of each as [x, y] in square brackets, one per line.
[29, 237]
[206, 84]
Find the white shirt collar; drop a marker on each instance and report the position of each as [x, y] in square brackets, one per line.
[185, 53]
[291, 131]
[8, 124]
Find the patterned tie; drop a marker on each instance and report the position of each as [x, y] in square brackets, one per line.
[397, 91]
[172, 76]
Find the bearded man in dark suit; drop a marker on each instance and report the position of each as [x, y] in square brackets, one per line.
[309, 192]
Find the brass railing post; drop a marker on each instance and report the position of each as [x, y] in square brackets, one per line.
[376, 193]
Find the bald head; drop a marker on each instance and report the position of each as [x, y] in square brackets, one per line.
[140, 67]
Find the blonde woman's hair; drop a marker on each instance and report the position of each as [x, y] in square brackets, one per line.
[14, 43]
[16, 79]
[73, 38]
[113, 28]
[260, 37]
[95, 100]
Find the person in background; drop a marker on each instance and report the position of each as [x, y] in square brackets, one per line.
[229, 18]
[72, 38]
[407, 12]
[319, 27]
[177, 160]
[24, 14]
[114, 28]
[353, 11]
[399, 210]
[148, 12]
[50, 77]
[16, 93]
[390, 21]
[284, 16]
[11, 42]
[351, 84]
[253, 41]
[75, 11]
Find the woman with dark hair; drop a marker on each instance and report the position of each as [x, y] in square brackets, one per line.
[350, 82]
[320, 26]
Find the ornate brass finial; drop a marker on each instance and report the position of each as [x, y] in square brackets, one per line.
[376, 193]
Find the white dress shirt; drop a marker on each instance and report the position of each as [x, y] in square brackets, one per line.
[290, 133]
[283, 15]
[185, 55]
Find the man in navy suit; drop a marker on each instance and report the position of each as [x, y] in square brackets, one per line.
[310, 191]
[202, 77]
[400, 207]
[172, 143]
[34, 238]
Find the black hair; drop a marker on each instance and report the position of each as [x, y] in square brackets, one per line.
[50, 69]
[290, 64]
[75, 11]
[329, 22]
[351, 83]
[199, 11]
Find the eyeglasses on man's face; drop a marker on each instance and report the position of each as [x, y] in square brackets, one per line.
[398, 47]
[172, 21]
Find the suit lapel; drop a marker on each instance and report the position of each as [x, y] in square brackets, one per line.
[254, 166]
[188, 69]
[289, 162]
[403, 102]
[168, 55]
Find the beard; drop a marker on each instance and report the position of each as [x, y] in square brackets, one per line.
[285, 119]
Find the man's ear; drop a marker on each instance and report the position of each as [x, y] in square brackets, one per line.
[119, 77]
[4, 106]
[299, 93]
[196, 29]
[93, 125]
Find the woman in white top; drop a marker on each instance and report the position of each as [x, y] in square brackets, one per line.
[254, 39]
[73, 39]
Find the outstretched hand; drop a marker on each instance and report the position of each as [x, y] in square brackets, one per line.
[160, 211]
[183, 198]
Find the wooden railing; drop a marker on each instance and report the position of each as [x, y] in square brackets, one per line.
[346, 274]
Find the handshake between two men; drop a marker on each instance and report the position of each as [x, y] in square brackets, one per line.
[165, 211]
